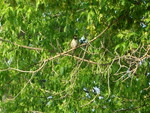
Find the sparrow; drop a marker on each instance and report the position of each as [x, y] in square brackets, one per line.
[74, 42]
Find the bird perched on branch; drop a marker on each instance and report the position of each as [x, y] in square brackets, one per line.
[74, 42]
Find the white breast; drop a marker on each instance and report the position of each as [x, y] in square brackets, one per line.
[74, 43]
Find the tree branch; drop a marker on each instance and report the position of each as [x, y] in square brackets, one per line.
[23, 46]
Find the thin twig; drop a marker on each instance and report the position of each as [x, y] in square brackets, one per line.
[81, 59]
[19, 70]
[129, 109]
[90, 101]
[23, 46]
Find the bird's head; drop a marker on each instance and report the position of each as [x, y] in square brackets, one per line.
[75, 37]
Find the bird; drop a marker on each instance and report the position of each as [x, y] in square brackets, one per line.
[74, 43]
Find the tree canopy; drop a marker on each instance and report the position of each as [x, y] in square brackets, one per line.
[108, 72]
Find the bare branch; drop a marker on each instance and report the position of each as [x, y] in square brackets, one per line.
[23, 46]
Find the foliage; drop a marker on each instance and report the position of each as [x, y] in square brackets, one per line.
[110, 73]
